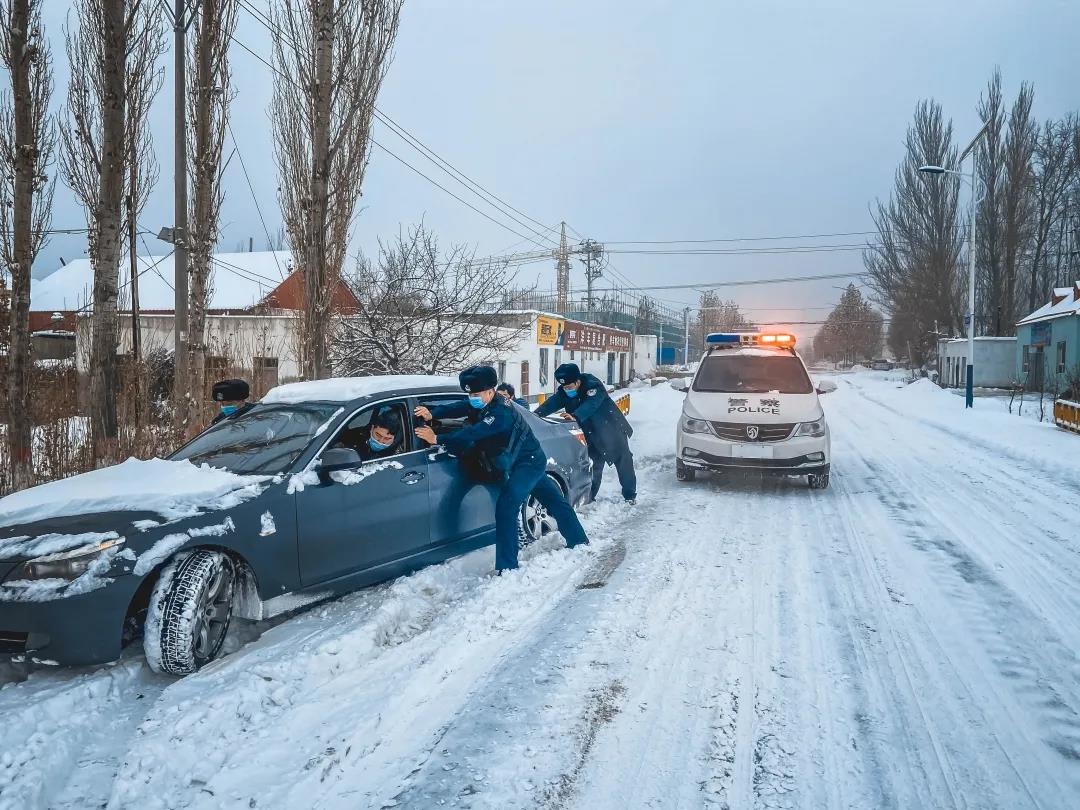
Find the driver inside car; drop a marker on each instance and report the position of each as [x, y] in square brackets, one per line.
[384, 436]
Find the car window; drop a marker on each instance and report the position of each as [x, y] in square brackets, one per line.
[356, 432]
[752, 374]
[263, 441]
[443, 426]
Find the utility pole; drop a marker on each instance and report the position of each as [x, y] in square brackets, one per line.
[686, 336]
[593, 251]
[562, 273]
[180, 201]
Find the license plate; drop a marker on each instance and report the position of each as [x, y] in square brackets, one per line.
[751, 451]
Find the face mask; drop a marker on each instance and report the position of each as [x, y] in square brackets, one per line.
[477, 402]
[570, 392]
[229, 410]
[376, 445]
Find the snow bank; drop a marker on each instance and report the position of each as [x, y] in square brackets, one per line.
[173, 489]
[343, 389]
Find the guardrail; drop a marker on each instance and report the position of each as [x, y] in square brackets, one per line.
[1067, 414]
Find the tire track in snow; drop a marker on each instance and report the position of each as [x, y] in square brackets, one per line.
[973, 702]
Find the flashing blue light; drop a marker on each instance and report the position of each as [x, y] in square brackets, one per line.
[717, 338]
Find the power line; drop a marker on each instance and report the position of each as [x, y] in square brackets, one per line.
[735, 239]
[741, 283]
[254, 199]
[496, 202]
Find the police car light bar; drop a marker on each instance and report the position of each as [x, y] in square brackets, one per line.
[729, 339]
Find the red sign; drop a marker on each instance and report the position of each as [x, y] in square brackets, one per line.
[590, 338]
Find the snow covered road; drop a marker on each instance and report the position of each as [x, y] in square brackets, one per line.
[905, 639]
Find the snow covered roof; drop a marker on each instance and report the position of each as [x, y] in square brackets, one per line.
[344, 389]
[240, 281]
[1065, 302]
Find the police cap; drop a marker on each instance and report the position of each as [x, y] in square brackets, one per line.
[478, 378]
[567, 373]
[230, 391]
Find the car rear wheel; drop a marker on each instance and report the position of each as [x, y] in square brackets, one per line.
[190, 612]
[534, 522]
[684, 473]
[818, 480]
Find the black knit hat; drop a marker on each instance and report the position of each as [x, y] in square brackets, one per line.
[230, 391]
[478, 378]
[567, 373]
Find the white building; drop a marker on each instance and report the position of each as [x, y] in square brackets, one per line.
[995, 362]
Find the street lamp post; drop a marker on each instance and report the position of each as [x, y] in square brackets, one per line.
[969, 394]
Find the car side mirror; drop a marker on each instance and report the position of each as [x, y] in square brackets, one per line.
[826, 386]
[681, 384]
[338, 458]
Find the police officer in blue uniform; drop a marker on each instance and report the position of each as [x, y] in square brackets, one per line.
[606, 430]
[498, 439]
[231, 396]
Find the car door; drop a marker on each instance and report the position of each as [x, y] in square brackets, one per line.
[373, 513]
[460, 509]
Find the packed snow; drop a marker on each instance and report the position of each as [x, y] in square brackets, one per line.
[172, 489]
[344, 389]
[904, 639]
[267, 526]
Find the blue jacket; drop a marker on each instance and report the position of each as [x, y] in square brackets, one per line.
[604, 425]
[499, 431]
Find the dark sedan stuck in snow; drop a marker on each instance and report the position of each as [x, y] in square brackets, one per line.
[289, 503]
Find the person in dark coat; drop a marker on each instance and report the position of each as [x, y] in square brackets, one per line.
[232, 396]
[499, 433]
[606, 430]
[384, 436]
[510, 395]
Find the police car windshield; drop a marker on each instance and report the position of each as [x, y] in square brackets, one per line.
[264, 441]
[752, 374]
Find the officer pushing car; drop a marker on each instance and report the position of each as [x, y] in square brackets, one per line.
[231, 396]
[498, 446]
[606, 430]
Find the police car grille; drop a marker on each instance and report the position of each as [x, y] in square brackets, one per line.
[736, 432]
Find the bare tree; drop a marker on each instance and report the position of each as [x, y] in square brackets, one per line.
[114, 44]
[914, 264]
[422, 311]
[1018, 209]
[990, 160]
[331, 57]
[715, 315]
[1055, 172]
[27, 140]
[210, 83]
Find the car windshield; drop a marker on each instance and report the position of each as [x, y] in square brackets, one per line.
[753, 374]
[264, 441]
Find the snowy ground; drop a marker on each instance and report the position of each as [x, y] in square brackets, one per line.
[905, 639]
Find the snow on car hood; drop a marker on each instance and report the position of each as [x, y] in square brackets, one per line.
[760, 408]
[171, 489]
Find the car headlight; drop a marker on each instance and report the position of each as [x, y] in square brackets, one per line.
[67, 565]
[815, 429]
[695, 425]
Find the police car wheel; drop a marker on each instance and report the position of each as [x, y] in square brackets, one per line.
[818, 481]
[684, 473]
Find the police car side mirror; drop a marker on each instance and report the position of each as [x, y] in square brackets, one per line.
[826, 386]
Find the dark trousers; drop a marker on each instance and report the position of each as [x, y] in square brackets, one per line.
[624, 466]
[525, 479]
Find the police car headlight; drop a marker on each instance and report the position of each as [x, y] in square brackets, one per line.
[695, 425]
[813, 429]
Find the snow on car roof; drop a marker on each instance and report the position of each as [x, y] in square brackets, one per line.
[172, 489]
[343, 389]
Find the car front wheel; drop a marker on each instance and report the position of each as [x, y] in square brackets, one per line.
[819, 481]
[684, 473]
[190, 612]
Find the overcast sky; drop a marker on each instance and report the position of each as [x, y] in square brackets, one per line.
[631, 121]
